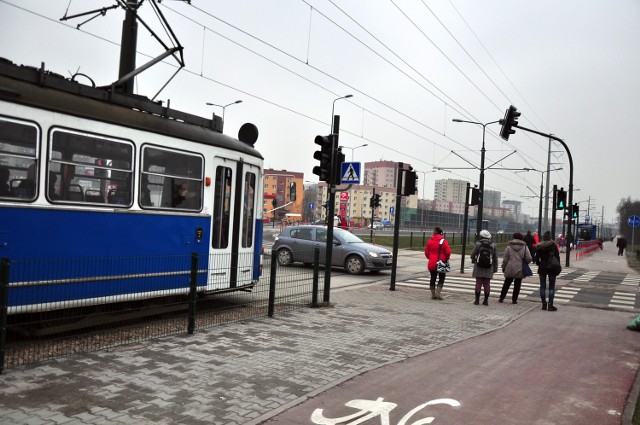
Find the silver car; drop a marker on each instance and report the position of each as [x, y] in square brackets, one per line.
[297, 244]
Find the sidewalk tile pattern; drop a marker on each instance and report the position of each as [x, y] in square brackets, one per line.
[242, 372]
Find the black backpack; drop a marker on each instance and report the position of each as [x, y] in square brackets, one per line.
[485, 256]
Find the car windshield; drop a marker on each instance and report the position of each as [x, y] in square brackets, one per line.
[347, 237]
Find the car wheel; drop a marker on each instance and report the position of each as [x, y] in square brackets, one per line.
[285, 257]
[354, 265]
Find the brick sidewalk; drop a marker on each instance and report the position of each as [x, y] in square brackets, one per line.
[236, 373]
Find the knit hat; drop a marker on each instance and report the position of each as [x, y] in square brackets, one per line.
[546, 236]
[517, 235]
[485, 234]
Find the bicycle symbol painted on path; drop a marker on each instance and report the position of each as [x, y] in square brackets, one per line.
[369, 409]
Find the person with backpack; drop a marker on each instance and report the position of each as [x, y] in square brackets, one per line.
[548, 261]
[437, 249]
[515, 256]
[485, 263]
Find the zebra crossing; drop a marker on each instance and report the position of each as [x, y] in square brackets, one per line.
[466, 285]
[530, 289]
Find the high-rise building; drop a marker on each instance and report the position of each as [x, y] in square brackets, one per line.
[381, 173]
[450, 190]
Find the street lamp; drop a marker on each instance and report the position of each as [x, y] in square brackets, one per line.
[482, 152]
[223, 108]
[333, 107]
[353, 149]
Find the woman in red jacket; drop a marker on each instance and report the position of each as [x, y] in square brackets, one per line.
[437, 248]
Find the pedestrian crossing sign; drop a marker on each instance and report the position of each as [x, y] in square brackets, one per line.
[350, 173]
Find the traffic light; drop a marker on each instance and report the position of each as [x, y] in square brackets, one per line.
[274, 202]
[575, 211]
[410, 183]
[475, 196]
[510, 119]
[340, 158]
[323, 171]
[561, 199]
[292, 191]
[375, 201]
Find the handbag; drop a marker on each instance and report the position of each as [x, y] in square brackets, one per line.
[442, 266]
[526, 270]
[553, 266]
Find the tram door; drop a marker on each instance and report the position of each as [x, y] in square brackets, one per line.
[233, 224]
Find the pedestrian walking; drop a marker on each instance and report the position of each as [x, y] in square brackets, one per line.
[516, 255]
[548, 261]
[530, 241]
[437, 249]
[485, 263]
[621, 244]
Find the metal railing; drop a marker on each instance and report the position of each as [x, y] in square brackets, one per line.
[58, 307]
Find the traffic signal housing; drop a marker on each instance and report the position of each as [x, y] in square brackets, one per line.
[340, 158]
[575, 211]
[561, 199]
[510, 119]
[375, 201]
[323, 170]
[410, 183]
[475, 196]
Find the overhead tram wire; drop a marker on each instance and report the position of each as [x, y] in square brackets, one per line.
[260, 98]
[468, 114]
[353, 88]
[501, 70]
[326, 74]
[275, 103]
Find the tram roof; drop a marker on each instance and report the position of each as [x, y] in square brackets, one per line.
[40, 88]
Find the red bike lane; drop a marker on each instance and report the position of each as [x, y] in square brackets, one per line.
[574, 366]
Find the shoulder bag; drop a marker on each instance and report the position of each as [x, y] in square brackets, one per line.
[442, 266]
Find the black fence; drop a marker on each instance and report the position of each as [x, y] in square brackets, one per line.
[53, 308]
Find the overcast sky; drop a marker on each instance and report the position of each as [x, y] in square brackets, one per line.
[571, 67]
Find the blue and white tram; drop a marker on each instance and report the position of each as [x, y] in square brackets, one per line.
[89, 173]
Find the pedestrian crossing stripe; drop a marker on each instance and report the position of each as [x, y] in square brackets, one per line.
[623, 300]
[631, 280]
[459, 284]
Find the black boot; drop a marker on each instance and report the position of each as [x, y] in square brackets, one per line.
[486, 299]
[544, 305]
[477, 301]
[551, 307]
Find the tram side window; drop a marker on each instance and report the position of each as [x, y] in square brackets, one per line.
[248, 210]
[171, 179]
[18, 160]
[89, 169]
[221, 208]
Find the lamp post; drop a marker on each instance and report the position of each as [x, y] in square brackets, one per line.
[353, 149]
[223, 108]
[333, 107]
[482, 153]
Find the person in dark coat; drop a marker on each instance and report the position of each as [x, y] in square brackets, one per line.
[621, 244]
[530, 241]
[437, 248]
[514, 255]
[484, 275]
[544, 251]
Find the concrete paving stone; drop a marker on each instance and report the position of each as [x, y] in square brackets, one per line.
[251, 369]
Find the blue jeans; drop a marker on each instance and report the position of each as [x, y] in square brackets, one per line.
[543, 287]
